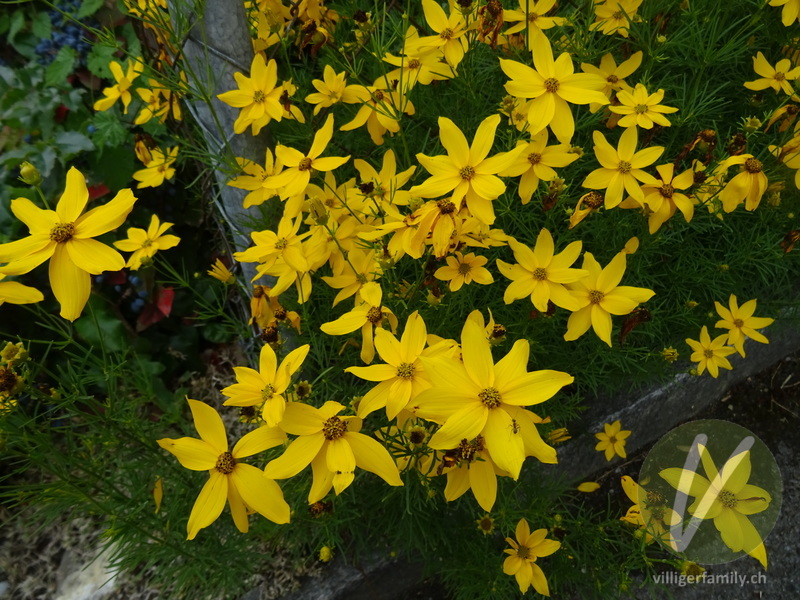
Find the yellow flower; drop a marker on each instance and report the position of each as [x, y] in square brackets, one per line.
[65, 234]
[13, 353]
[243, 485]
[158, 169]
[650, 513]
[461, 270]
[777, 77]
[710, 354]
[741, 323]
[521, 562]
[270, 246]
[669, 354]
[144, 244]
[403, 377]
[334, 448]
[255, 179]
[541, 273]
[602, 296]
[219, 271]
[385, 186]
[726, 497]
[295, 177]
[381, 110]
[477, 397]
[14, 292]
[613, 75]
[366, 316]
[552, 85]
[612, 440]
[642, 109]
[664, 199]
[537, 162]
[465, 170]
[790, 12]
[266, 386]
[360, 268]
[450, 32]
[331, 90]
[120, 91]
[417, 65]
[325, 553]
[587, 487]
[615, 16]
[257, 96]
[747, 186]
[531, 17]
[621, 169]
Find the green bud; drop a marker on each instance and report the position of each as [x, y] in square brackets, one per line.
[29, 174]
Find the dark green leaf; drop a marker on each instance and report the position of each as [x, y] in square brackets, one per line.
[41, 25]
[72, 142]
[98, 59]
[17, 23]
[62, 65]
[110, 130]
[88, 8]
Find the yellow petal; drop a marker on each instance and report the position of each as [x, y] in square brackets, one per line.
[209, 425]
[372, 457]
[296, 457]
[260, 493]
[74, 198]
[71, 285]
[14, 292]
[588, 487]
[483, 482]
[258, 440]
[209, 504]
[192, 453]
[341, 462]
[107, 217]
[93, 256]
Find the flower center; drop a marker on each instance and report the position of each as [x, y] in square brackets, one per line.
[708, 353]
[523, 552]
[334, 428]
[739, 323]
[667, 190]
[413, 64]
[464, 268]
[594, 200]
[780, 76]
[619, 16]
[405, 371]
[751, 165]
[225, 463]
[446, 207]
[612, 79]
[467, 173]
[374, 315]
[498, 332]
[268, 392]
[490, 397]
[259, 96]
[446, 33]
[551, 85]
[147, 243]
[534, 157]
[532, 17]
[305, 164]
[640, 109]
[281, 244]
[377, 95]
[624, 166]
[596, 296]
[539, 274]
[727, 499]
[280, 313]
[8, 380]
[417, 435]
[62, 232]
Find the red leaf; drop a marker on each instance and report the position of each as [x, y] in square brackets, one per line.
[155, 311]
[97, 191]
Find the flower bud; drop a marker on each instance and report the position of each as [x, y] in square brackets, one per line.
[29, 174]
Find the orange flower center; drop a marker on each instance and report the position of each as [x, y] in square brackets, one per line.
[539, 274]
[304, 165]
[259, 97]
[413, 64]
[596, 296]
[225, 463]
[667, 190]
[551, 85]
[490, 397]
[446, 33]
[62, 232]
[593, 199]
[374, 315]
[739, 323]
[377, 95]
[624, 166]
[405, 371]
[751, 165]
[334, 428]
[467, 173]
[612, 79]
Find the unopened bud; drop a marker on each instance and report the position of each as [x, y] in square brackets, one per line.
[29, 174]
